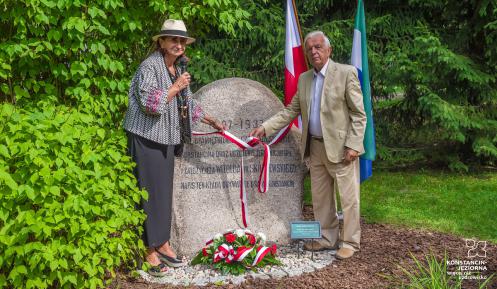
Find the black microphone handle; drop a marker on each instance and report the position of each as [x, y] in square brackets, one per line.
[182, 66]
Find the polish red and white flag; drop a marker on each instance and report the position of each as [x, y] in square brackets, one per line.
[295, 63]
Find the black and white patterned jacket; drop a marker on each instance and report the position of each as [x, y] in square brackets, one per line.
[149, 115]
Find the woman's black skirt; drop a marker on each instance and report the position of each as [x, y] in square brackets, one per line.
[154, 171]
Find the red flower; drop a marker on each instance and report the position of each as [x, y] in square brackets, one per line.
[204, 252]
[230, 238]
[251, 239]
[273, 249]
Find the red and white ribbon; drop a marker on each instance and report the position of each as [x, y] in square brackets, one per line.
[262, 251]
[242, 253]
[243, 195]
[251, 143]
[225, 252]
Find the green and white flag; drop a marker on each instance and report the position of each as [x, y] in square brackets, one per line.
[360, 61]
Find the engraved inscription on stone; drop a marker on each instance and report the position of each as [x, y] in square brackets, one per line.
[207, 177]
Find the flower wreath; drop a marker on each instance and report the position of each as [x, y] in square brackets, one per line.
[237, 251]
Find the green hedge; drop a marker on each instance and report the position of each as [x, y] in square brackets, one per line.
[67, 203]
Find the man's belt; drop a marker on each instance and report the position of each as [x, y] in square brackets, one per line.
[318, 138]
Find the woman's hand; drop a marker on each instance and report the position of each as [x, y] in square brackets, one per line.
[213, 122]
[217, 124]
[183, 81]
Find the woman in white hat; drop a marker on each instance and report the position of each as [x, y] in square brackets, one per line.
[158, 121]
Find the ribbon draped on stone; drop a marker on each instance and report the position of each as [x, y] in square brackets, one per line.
[251, 143]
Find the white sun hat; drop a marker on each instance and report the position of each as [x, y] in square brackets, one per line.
[174, 28]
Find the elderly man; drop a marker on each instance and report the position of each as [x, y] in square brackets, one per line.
[329, 98]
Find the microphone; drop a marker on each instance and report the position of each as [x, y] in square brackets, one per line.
[183, 63]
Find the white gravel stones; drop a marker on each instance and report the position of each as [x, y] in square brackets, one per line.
[276, 273]
[259, 275]
[200, 275]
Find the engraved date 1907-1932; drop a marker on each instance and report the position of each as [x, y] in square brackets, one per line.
[242, 124]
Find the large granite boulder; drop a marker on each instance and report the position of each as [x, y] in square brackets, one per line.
[207, 177]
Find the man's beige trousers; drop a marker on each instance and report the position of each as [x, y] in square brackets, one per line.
[325, 177]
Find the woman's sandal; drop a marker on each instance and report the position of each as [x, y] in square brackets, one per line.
[170, 261]
[158, 270]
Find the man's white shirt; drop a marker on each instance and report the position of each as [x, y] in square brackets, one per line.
[316, 92]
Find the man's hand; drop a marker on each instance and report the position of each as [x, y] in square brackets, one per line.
[258, 132]
[350, 155]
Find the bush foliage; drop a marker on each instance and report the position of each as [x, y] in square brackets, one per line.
[67, 208]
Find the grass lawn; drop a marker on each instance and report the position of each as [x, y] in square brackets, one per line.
[462, 204]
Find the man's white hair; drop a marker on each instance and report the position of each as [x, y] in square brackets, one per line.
[317, 33]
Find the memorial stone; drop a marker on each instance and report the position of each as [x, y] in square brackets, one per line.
[206, 196]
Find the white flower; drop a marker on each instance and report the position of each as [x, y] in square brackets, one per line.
[262, 237]
[248, 231]
[228, 231]
[240, 232]
[218, 236]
